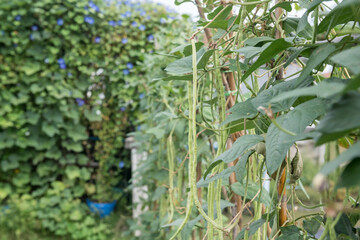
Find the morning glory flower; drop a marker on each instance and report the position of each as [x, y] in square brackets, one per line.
[142, 28]
[2, 33]
[141, 96]
[121, 164]
[97, 39]
[34, 28]
[150, 37]
[60, 22]
[129, 65]
[119, 22]
[61, 63]
[124, 40]
[126, 71]
[80, 102]
[128, 14]
[123, 109]
[31, 37]
[94, 6]
[138, 127]
[46, 60]
[112, 23]
[142, 13]
[162, 20]
[89, 20]
[86, 8]
[18, 18]
[134, 24]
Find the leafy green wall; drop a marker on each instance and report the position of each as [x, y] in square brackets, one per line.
[71, 79]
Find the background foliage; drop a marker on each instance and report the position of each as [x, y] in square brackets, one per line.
[72, 81]
[250, 42]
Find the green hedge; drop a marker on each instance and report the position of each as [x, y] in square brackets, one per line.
[71, 79]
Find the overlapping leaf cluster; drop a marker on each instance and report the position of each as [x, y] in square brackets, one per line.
[71, 79]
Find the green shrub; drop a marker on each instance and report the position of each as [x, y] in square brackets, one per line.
[71, 82]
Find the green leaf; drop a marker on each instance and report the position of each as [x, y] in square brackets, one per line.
[319, 55]
[349, 177]
[171, 78]
[323, 90]
[239, 147]
[92, 116]
[49, 129]
[344, 12]
[5, 190]
[252, 229]
[284, 5]
[72, 172]
[249, 108]
[223, 15]
[349, 58]
[239, 169]
[76, 215]
[279, 142]
[31, 67]
[312, 225]
[304, 19]
[291, 232]
[347, 156]
[269, 53]
[254, 41]
[342, 118]
[253, 190]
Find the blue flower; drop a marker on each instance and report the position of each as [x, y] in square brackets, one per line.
[119, 22]
[127, 14]
[2, 33]
[126, 71]
[69, 74]
[142, 13]
[34, 28]
[150, 37]
[162, 20]
[80, 102]
[138, 127]
[89, 20]
[46, 60]
[129, 65]
[18, 18]
[121, 164]
[142, 28]
[141, 96]
[31, 37]
[124, 40]
[112, 23]
[86, 8]
[62, 66]
[61, 61]
[97, 39]
[123, 109]
[60, 22]
[94, 6]
[134, 24]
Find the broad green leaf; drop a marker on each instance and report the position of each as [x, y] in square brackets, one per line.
[253, 190]
[49, 129]
[92, 115]
[31, 68]
[290, 26]
[344, 12]
[252, 229]
[342, 118]
[171, 78]
[323, 90]
[349, 58]
[319, 55]
[312, 225]
[239, 147]
[291, 232]
[76, 215]
[5, 190]
[284, 5]
[269, 53]
[254, 41]
[304, 19]
[347, 156]
[239, 169]
[223, 15]
[349, 177]
[72, 172]
[249, 108]
[279, 142]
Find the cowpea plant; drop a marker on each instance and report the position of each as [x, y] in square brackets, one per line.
[71, 84]
[241, 96]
